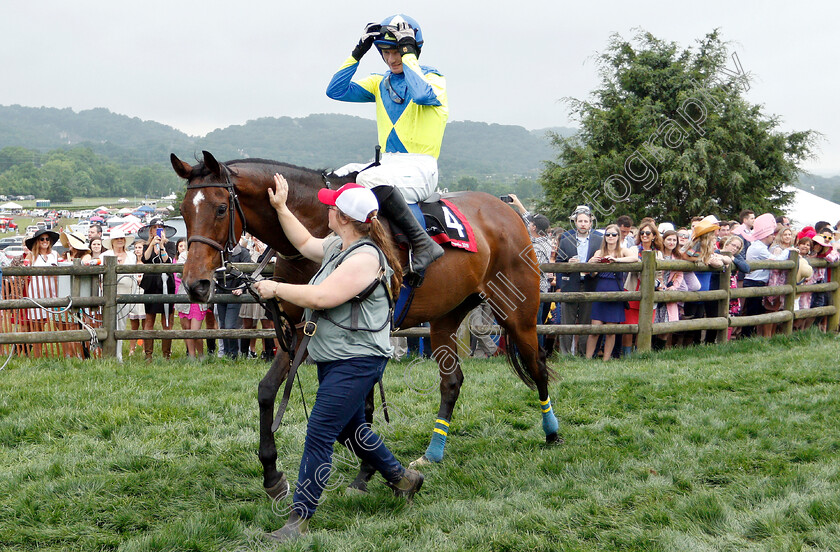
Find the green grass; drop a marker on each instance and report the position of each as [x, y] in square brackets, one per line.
[711, 448]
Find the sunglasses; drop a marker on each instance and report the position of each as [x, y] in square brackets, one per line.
[646, 233]
[611, 234]
[683, 235]
[44, 239]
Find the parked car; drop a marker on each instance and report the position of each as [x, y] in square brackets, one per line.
[180, 227]
[14, 251]
[9, 241]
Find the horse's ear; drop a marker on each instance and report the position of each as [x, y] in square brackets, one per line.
[182, 168]
[211, 164]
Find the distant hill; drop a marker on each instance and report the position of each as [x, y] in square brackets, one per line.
[826, 188]
[481, 150]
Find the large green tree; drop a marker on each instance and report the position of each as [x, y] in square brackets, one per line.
[668, 134]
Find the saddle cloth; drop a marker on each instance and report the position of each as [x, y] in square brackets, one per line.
[444, 223]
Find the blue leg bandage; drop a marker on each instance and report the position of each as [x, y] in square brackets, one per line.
[434, 452]
[549, 420]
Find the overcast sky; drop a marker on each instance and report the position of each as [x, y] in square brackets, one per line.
[198, 66]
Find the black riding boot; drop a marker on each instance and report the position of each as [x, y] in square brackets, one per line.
[424, 251]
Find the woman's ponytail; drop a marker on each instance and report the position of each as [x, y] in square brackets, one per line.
[380, 238]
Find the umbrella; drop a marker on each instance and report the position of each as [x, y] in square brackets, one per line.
[146, 208]
[102, 210]
[125, 211]
[97, 219]
[129, 227]
[139, 214]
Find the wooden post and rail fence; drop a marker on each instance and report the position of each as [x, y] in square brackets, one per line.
[92, 291]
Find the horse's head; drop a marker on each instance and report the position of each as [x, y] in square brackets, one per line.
[212, 222]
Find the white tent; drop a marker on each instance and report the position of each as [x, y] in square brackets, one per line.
[807, 208]
[11, 206]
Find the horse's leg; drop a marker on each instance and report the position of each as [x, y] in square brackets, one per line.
[274, 482]
[517, 314]
[444, 340]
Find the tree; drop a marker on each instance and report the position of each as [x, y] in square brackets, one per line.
[669, 135]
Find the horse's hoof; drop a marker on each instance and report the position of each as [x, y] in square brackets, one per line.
[422, 461]
[279, 490]
[554, 439]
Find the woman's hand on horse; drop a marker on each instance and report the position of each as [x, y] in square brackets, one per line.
[278, 196]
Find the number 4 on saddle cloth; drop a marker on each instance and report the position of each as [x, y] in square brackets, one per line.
[445, 224]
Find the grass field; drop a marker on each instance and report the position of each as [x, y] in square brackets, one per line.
[712, 448]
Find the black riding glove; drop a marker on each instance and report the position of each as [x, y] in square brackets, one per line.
[406, 42]
[368, 36]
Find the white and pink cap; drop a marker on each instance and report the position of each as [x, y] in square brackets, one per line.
[353, 199]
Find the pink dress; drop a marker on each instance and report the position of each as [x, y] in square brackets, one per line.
[191, 311]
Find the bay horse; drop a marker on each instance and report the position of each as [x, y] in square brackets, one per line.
[223, 198]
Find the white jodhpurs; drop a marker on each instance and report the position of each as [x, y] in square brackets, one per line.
[414, 174]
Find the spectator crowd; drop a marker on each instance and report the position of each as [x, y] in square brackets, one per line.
[706, 240]
[152, 244]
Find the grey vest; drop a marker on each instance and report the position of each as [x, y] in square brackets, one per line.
[332, 341]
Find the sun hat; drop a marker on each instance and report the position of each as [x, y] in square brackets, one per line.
[116, 234]
[665, 227]
[143, 233]
[807, 232]
[764, 226]
[820, 239]
[354, 200]
[31, 241]
[71, 239]
[804, 270]
[708, 224]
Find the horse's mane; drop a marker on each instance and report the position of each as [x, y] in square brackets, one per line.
[267, 166]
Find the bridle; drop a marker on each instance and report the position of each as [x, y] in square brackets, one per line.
[286, 335]
[234, 207]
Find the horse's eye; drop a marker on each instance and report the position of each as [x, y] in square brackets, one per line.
[221, 210]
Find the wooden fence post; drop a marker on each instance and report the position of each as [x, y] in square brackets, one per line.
[834, 320]
[109, 310]
[647, 285]
[790, 299]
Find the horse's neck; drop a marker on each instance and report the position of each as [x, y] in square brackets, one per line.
[302, 202]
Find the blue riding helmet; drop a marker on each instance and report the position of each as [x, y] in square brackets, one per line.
[387, 39]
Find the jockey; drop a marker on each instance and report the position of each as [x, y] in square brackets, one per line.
[411, 114]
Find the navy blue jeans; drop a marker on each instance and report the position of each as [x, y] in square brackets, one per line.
[228, 319]
[339, 415]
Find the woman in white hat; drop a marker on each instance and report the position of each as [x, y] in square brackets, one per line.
[115, 246]
[351, 351]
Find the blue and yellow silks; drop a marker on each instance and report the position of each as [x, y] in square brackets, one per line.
[414, 125]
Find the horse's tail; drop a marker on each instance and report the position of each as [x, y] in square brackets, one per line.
[517, 365]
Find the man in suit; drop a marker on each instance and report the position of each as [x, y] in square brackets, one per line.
[577, 246]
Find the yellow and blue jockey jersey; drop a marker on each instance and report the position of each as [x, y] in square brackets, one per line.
[411, 107]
